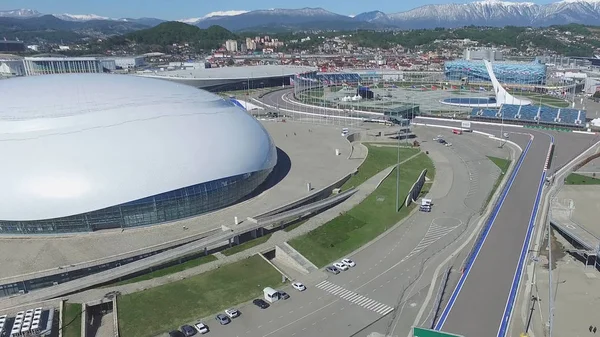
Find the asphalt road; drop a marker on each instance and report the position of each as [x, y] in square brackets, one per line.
[392, 275]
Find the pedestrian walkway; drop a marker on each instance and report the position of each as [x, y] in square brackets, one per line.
[360, 300]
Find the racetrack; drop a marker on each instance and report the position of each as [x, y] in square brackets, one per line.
[482, 303]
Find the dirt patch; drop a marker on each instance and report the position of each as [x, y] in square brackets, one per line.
[558, 250]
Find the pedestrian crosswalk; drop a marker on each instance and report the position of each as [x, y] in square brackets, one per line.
[365, 302]
[434, 233]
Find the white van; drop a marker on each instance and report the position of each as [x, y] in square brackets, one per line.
[271, 295]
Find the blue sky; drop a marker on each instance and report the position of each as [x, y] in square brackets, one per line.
[179, 9]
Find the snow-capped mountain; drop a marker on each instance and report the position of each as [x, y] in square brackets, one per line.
[374, 16]
[479, 13]
[20, 13]
[193, 21]
[82, 17]
[497, 13]
[273, 17]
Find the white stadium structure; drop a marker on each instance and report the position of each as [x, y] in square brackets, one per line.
[111, 151]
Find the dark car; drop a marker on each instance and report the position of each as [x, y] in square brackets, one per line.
[223, 319]
[260, 303]
[283, 295]
[441, 141]
[188, 330]
[176, 333]
[332, 270]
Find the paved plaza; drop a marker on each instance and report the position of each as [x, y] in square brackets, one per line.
[311, 149]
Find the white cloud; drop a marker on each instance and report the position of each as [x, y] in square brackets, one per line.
[224, 13]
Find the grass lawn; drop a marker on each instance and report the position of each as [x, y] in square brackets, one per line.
[367, 220]
[378, 159]
[164, 308]
[72, 320]
[168, 270]
[246, 245]
[579, 179]
[503, 164]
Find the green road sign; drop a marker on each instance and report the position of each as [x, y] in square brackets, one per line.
[422, 332]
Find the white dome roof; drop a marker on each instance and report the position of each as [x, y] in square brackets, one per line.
[76, 143]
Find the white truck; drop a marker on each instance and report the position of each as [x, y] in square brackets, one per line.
[466, 126]
[425, 205]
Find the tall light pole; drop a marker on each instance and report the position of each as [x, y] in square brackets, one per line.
[398, 165]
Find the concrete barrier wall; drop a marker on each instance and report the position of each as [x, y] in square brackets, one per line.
[84, 319]
[115, 317]
[321, 194]
[108, 259]
[284, 258]
[275, 267]
[61, 312]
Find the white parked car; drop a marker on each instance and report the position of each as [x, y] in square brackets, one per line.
[348, 262]
[201, 327]
[298, 286]
[340, 266]
[232, 312]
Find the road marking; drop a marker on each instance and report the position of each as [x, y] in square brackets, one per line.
[434, 233]
[352, 297]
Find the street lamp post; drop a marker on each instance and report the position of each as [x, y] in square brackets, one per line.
[398, 168]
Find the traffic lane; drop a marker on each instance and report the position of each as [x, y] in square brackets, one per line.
[372, 261]
[400, 323]
[361, 315]
[569, 145]
[518, 135]
[480, 305]
[256, 321]
[343, 319]
[414, 238]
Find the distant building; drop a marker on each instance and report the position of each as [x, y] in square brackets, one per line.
[11, 46]
[231, 45]
[130, 62]
[250, 44]
[58, 64]
[507, 73]
[11, 65]
[490, 54]
[108, 64]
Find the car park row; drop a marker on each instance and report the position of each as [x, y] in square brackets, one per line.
[338, 267]
[225, 318]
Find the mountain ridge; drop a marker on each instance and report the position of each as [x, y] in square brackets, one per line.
[494, 13]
